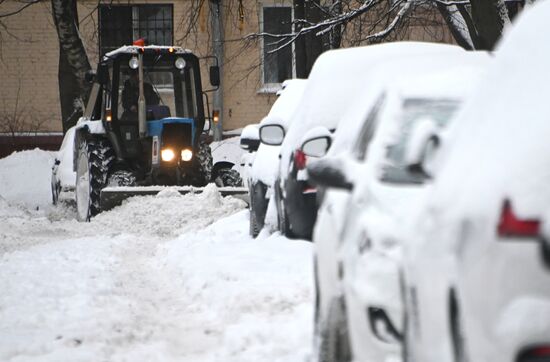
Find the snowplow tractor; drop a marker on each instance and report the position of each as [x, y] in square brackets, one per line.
[142, 127]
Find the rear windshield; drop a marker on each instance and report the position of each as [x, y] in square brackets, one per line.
[413, 110]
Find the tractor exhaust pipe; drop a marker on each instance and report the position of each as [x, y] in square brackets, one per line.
[141, 100]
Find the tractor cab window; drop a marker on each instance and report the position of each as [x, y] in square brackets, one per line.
[168, 91]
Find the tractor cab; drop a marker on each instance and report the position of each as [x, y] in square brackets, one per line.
[142, 92]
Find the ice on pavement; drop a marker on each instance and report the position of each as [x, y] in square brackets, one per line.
[160, 278]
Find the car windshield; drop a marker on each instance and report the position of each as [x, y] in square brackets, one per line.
[413, 110]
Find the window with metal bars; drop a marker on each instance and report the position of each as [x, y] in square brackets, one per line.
[276, 61]
[122, 24]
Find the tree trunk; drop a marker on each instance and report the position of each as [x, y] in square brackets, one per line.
[490, 17]
[458, 25]
[73, 62]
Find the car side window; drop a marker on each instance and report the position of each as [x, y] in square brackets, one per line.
[367, 131]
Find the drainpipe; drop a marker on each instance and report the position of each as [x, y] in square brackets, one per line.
[217, 46]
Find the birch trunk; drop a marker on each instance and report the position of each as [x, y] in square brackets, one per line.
[73, 62]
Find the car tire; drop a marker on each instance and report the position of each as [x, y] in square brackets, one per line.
[227, 177]
[56, 189]
[334, 344]
[95, 157]
[457, 330]
[284, 224]
[258, 206]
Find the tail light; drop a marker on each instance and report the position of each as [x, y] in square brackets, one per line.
[511, 226]
[299, 159]
[535, 354]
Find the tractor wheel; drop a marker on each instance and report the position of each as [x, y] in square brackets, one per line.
[204, 158]
[95, 157]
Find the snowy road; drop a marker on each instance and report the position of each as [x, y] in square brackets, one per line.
[161, 278]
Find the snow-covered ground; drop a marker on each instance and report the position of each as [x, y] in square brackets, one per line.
[160, 278]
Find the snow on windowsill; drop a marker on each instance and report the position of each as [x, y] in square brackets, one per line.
[270, 88]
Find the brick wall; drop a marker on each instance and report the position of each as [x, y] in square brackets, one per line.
[29, 60]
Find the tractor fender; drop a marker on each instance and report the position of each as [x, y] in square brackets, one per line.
[92, 127]
[84, 127]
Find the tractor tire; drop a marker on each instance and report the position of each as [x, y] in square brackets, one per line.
[95, 157]
[205, 164]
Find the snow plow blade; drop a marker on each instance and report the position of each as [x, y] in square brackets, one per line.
[113, 196]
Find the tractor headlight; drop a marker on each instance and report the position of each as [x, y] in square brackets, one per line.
[180, 63]
[134, 63]
[186, 155]
[167, 154]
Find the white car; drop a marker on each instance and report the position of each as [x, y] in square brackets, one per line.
[259, 163]
[478, 284]
[335, 79]
[330, 218]
[63, 177]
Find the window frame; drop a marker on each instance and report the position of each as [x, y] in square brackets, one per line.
[134, 8]
[274, 87]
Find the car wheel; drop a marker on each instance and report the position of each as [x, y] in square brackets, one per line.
[334, 344]
[284, 224]
[56, 189]
[457, 331]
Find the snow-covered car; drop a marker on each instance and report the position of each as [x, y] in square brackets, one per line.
[63, 177]
[478, 286]
[260, 170]
[330, 221]
[337, 76]
[387, 191]
[249, 142]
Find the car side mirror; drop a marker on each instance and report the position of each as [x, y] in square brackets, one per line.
[250, 138]
[272, 134]
[422, 147]
[329, 172]
[215, 76]
[316, 147]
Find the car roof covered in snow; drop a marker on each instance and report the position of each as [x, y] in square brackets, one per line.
[286, 103]
[336, 76]
[503, 139]
[280, 113]
[444, 76]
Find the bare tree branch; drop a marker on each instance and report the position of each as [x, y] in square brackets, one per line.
[14, 12]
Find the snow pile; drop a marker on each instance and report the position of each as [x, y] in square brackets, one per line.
[21, 184]
[168, 214]
[234, 282]
[160, 278]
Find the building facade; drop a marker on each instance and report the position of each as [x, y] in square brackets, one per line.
[29, 51]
